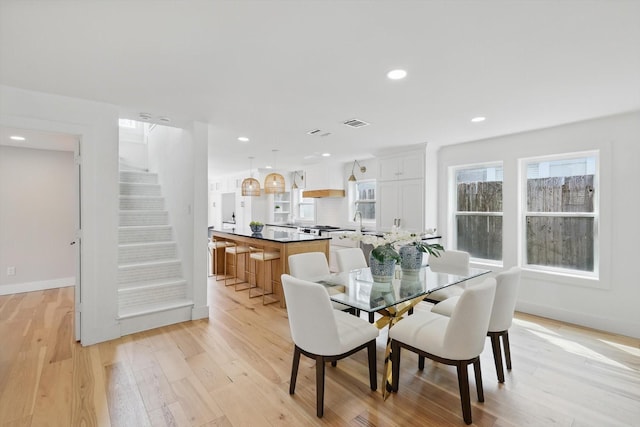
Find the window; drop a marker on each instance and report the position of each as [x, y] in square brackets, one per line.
[126, 123]
[560, 213]
[306, 207]
[362, 197]
[477, 213]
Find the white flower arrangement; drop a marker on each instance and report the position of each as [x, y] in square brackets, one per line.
[385, 245]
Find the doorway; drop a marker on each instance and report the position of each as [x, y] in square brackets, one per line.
[40, 213]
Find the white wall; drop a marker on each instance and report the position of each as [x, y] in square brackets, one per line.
[97, 125]
[38, 219]
[609, 303]
[176, 155]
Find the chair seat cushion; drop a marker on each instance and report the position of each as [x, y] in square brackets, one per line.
[264, 256]
[238, 250]
[445, 307]
[448, 292]
[424, 331]
[353, 332]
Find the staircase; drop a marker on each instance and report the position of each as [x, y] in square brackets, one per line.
[151, 289]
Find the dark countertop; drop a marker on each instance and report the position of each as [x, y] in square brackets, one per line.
[277, 236]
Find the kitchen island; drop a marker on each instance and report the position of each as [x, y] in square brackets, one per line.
[287, 243]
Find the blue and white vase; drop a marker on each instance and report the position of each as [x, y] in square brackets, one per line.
[382, 271]
[411, 258]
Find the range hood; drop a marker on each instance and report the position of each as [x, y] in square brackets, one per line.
[323, 193]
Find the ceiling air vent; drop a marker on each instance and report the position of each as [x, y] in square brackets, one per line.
[355, 123]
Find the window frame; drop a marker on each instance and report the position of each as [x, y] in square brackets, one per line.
[297, 193]
[523, 213]
[454, 213]
[354, 199]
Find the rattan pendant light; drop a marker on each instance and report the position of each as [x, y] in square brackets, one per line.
[250, 186]
[274, 182]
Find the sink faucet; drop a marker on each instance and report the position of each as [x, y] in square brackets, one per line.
[358, 215]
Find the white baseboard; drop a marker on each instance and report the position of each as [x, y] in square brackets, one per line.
[606, 324]
[201, 312]
[18, 288]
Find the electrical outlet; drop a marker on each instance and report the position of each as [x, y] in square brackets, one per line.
[11, 271]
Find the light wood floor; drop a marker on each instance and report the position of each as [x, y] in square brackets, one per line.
[233, 370]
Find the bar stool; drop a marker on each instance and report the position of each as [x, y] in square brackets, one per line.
[214, 245]
[264, 257]
[235, 251]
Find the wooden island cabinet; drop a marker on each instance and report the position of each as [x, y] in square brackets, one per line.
[286, 242]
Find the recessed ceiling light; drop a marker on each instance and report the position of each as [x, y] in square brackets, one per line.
[397, 74]
[164, 119]
[268, 167]
[17, 138]
[478, 119]
[145, 116]
[243, 139]
[326, 154]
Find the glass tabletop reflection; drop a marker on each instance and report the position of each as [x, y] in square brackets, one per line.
[358, 289]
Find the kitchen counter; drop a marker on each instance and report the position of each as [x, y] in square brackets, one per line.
[287, 243]
[275, 236]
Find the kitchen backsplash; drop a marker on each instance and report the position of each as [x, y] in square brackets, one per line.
[332, 211]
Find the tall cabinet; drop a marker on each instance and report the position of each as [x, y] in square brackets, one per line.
[401, 191]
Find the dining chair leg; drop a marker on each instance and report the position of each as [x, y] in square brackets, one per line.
[371, 350]
[395, 368]
[463, 385]
[294, 369]
[497, 354]
[334, 363]
[420, 362]
[319, 386]
[371, 318]
[478, 372]
[507, 349]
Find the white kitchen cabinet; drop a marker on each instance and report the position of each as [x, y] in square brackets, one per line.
[407, 165]
[401, 203]
[281, 207]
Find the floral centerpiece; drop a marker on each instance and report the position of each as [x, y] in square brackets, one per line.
[388, 250]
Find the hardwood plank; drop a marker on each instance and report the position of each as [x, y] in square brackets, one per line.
[234, 369]
[54, 395]
[125, 403]
[195, 402]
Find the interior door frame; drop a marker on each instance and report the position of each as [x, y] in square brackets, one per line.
[77, 161]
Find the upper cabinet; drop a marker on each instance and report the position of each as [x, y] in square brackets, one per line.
[406, 165]
[401, 191]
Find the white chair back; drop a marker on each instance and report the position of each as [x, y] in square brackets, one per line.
[504, 303]
[311, 316]
[450, 261]
[467, 327]
[309, 265]
[350, 259]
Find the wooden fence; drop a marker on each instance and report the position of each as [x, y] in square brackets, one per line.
[557, 241]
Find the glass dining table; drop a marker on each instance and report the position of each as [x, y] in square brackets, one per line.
[392, 299]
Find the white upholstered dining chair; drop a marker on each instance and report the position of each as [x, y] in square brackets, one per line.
[313, 266]
[324, 334]
[350, 259]
[504, 304]
[449, 261]
[457, 340]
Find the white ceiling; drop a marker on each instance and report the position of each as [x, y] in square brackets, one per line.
[273, 70]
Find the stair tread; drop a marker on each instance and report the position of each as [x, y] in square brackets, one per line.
[153, 284]
[140, 310]
[141, 244]
[150, 263]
